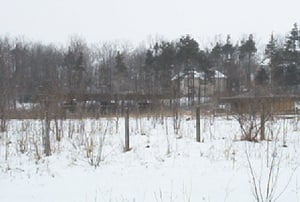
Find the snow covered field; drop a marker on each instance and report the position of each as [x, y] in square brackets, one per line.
[161, 165]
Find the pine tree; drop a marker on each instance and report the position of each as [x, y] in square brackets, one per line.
[149, 71]
[247, 50]
[165, 63]
[230, 68]
[292, 57]
[291, 75]
[75, 68]
[216, 55]
[149, 60]
[271, 49]
[293, 39]
[228, 49]
[121, 77]
[188, 49]
[261, 77]
[120, 64]
[271, 53]
[79, 66]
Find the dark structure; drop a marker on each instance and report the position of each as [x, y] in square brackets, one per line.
[262, 104]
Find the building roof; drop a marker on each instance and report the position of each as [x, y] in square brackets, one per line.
[197, 75]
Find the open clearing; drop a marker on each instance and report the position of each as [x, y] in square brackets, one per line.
[164, 164]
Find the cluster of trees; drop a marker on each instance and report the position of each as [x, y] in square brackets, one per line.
[28, 68]
[284, 60]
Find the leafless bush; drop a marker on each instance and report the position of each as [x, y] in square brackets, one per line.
[249, 126]
[167, 137]
[3, 122]
[58, 129]
[22, 143]
[71, 129]
[46, 134]
[176, 122]
[94, 142]
[264, 185]
[23, 137]
[7, 145]
[36, 142]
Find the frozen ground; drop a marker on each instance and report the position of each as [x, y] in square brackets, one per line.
[161, 166]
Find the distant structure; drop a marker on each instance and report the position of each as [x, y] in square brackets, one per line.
[196, 85]
[259, 99]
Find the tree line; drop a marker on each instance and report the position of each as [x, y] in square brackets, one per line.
[29, 69]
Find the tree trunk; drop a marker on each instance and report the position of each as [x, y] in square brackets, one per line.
[198, 137]
[262, 123]
[126, 130]
[47, 149]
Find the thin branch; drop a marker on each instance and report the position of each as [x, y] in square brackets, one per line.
[253, 176]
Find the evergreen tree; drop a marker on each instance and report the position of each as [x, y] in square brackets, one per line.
[79, 66]
[230, 69]
[166, 61]
[293, 39]
[216, 56]
[188, 49]
[69, 59]
[247, 50]
[167, 54]
[149, 71]
[292, 57]
[271, 49]
[271, 53]
[120, 64]
[121, 82]
[291, 75]
[261, 77]
[203, 60]
[149, 60]
[248, 47]
[228, 49]
[75, 68]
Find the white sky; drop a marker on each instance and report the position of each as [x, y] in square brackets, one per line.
[136, 20]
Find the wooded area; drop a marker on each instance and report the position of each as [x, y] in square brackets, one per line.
[33, 72]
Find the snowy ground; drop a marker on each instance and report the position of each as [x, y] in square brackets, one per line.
[161, 166]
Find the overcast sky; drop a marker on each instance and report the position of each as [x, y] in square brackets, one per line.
[136, 20]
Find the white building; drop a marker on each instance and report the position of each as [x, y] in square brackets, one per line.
[200, 84]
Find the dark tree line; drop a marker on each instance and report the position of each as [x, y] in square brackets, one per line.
[284, 60]
[29, 69]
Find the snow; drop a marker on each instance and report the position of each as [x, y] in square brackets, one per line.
[199, 75]
[26, 106]
[162, 165]
[219, 75]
